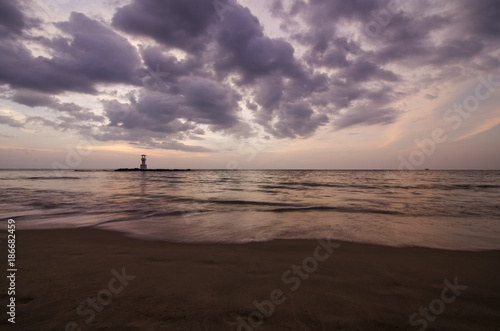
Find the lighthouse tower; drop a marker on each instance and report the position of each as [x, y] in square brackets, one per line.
[144, 166]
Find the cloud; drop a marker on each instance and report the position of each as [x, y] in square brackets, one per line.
[12, 19]
[297, 120]
[363, 71]
[150, 138]
[164, 68]
[10, 121]
[198, 67]
[193, 99]
[95, 51]
[267, 69]
[37, 99]
[176, 115]
[482, 18]
[441, 38]
[93, 54]
[33, 99]
[243, 48]
[366, 115]
[235, 46]
[180, 24]
[207, 101]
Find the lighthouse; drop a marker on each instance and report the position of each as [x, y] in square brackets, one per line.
[144, 166]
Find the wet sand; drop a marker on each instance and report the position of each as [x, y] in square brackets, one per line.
[92, 279]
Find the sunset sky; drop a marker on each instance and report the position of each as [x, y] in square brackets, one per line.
[251, 84]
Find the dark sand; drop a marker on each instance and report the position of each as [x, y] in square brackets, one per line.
[207, 287]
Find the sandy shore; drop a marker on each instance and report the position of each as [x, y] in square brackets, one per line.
[98, 280]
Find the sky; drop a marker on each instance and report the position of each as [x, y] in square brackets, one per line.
[250, 84]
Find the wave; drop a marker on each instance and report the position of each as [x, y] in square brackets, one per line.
[289, 207]
[374, 186]
[338, 209]
[247, 202]
[51, 177]
[232, 202]
[155, 214]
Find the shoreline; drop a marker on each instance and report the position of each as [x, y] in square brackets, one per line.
[150, 284]
[159, 238]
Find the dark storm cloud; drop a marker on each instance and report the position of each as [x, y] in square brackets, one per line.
[33, 99]
[95, 51]
[363, 71]
[296, 120]
[176, 113]
[455, 50]
[323, 16]
[280, 81]
[182, 24]
[197, 100]
[235, 45]
[354, 65]
[12, 19]
[390, 33]
[269, 91]
[408, 38]
[331, 57]
[207, 101]
[483, 17]
[93, 54]
[167, 68]
[244, 48]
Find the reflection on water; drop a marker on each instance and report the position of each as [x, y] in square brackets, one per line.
[448, 209]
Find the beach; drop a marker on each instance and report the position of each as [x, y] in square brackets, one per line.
[92, 279]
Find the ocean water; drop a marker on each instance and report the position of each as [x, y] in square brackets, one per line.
[457, 210]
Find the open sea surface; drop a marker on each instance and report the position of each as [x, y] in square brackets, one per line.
[457, 210]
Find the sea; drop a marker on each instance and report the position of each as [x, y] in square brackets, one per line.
[455, 210]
